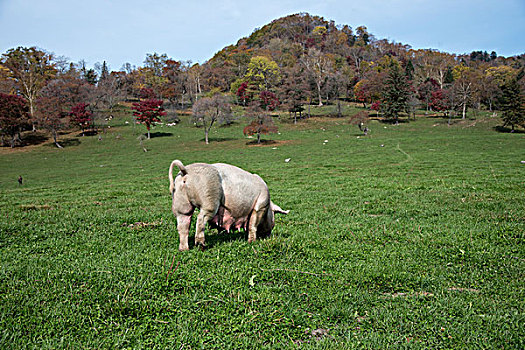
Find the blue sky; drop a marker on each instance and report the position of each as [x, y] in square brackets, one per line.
[121, 31]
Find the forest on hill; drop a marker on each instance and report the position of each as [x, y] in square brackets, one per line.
[288, 64]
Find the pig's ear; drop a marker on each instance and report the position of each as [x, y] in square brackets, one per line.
[277, 209]
[181, 167]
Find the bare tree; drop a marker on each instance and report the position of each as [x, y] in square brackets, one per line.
[209, 110]
[319, 67]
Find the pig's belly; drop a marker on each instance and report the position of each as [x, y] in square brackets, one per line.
[225, 220]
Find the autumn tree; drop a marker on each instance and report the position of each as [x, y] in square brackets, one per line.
[148, 112]
[463, 86]
[6, 83]
[209, 110]
[438, 101]
[152, 73]
[50, 115]
[263, 72]
[356, 56]
[244, 92]
[30, 69]
[81, 116]
[425, 90]
[434, 65]
[14, 115]
[293, 91]
[261, 122]
[109, 91]
[492, 82]
[376, 106]
[360, 119]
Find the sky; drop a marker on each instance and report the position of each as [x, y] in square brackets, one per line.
[124, 31]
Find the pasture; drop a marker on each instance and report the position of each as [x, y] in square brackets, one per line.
[410, 237]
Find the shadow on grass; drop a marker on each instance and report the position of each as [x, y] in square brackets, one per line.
[217, 237]
[392, 121]
[88, 133]
[33, 138]
[65, 143]
[218, 139]
[159, 134]
[262, 143]
[504, 129]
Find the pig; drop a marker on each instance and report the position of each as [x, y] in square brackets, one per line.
[228, 197]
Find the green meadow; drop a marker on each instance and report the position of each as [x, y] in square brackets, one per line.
[410, 237]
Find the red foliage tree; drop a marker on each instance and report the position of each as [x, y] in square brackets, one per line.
[438, 101]
[425, 91]
[81, 116]
[147, 93]
[362, 92]
[148, 112]
[268, 100]
[376, 106]
[261, 122]
[14, 114]
[244, 93]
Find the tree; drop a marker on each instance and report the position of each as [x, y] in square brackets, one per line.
[109, 91]
[244, 93]
[319, 67]
[462, 86]
[80, 115]
[438, 101]
[30, 69]
[376, 106]
[425, 90]
[435, 65]
[50, 115]
[6, 83]
[293, 91]
[396, 93]
[102, 69]
[268, 100]
[360, 119]
[493, 80]
[209, 110]
[261, 122]
[14, 115]
[148, 112]
[363, 38]
[263, 72]
[513, 105]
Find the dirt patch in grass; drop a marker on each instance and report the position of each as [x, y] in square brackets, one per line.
[28, 207]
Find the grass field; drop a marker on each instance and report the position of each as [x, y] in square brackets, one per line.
[410, 237]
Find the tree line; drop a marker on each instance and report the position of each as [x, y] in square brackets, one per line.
[289, 64]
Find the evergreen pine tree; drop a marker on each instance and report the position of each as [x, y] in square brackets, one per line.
[409, 70]
[513, 105]
[104, 72]
[396, 93]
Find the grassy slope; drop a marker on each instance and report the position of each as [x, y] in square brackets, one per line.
[410, 237]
